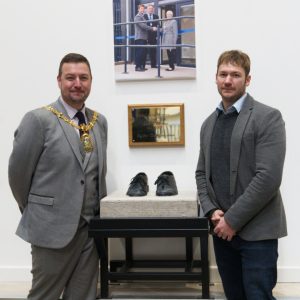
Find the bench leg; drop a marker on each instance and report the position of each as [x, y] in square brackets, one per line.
[189, 253]
[205, 266]
[102, 248]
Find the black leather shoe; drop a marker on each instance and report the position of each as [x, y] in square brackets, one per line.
[139, 69]
[166, 184]
[138, 186]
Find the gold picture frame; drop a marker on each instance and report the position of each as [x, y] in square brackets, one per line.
[156, 125]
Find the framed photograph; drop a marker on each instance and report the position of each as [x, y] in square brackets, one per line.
[156, 125]
[154, 40]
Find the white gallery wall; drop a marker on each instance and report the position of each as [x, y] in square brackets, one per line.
[35, 35]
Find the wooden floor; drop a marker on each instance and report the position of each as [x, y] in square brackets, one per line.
[154, 290]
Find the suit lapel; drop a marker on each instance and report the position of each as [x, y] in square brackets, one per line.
[236, 140]
[69, 132]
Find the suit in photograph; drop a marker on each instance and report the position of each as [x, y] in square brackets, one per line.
[169, 38]
[141, 36]
[152, 37]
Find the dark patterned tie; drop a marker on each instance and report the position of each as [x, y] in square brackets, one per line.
[81, 120]
[79, 115]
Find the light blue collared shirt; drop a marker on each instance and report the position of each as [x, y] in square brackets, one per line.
[237, 105]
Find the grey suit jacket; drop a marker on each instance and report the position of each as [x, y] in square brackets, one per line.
[141, 29]
[170, 34]
[256, 165]
[46, 175]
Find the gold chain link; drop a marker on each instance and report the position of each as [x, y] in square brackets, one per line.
[83, 127]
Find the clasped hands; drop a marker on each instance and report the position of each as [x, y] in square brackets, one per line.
[222, 228]
[154, 28]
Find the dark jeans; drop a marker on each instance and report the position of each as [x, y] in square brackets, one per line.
[248, 269]
[172, 58]
[140, 54]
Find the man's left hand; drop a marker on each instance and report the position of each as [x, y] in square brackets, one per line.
[223, 230]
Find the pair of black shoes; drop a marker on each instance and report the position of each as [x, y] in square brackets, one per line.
[166, 185]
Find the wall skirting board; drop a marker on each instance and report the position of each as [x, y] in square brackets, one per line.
[22, 273]
[284, 274]
[15, 273]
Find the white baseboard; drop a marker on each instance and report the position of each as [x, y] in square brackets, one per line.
[288, 274]
[214, 274]
[284, 274]
[15, 273]
[22, 273]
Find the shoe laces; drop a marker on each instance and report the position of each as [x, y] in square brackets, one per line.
[137, 180]
[161, 180]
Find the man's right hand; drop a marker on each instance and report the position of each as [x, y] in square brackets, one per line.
[216, 216]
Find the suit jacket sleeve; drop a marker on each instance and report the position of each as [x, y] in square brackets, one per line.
[269, 143]
[27, 147]
[201, 180]
[104, 170]
[175, 31]
[142, 26]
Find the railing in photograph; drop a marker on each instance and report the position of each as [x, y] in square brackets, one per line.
[158, 46]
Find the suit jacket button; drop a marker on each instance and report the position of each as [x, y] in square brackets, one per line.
[82, 181]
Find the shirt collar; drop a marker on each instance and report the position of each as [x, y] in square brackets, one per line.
[237, 106]
[71, 111]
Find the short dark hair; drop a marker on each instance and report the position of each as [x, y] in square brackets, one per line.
[237, 58]
[73, 58]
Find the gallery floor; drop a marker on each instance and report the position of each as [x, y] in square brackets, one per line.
[154, 290]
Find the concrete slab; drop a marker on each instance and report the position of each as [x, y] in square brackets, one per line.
[119, 205]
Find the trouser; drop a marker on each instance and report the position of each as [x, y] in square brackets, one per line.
[72, 270]
[140, 54]
[171, 58]
[248, 269]
[152, 53]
